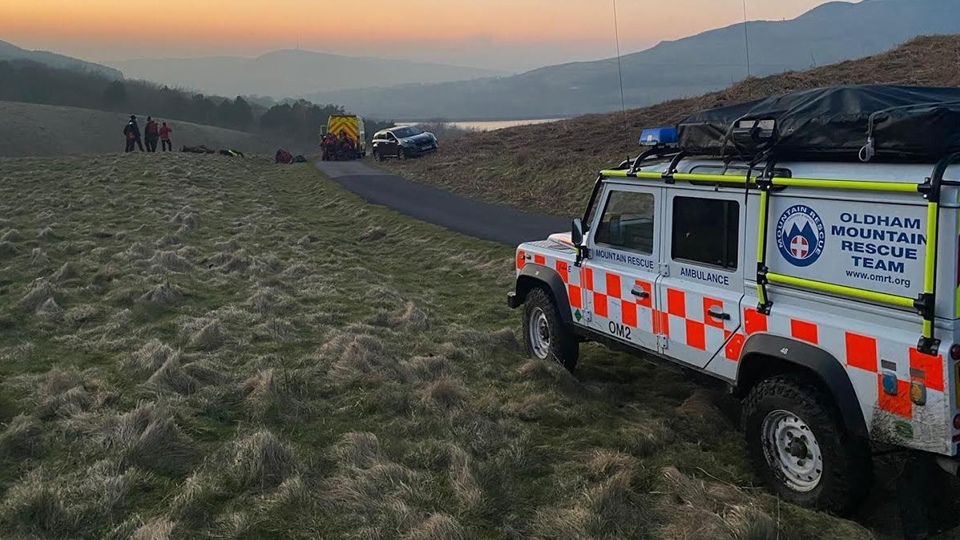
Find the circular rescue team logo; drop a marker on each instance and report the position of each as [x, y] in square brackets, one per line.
[800, 235]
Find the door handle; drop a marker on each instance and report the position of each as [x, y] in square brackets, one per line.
[718, 315]
[640, 293]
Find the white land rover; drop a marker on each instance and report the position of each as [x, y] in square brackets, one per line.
[818, 278]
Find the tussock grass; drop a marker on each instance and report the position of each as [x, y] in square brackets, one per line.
[204, 334]
[155, 529]
[171, 260]
[437, 527]
[66, 272]
[152, 356]
[163, 294]
[21, 438]
[46, 234]
[372, 234]
[39, 258]
[41, 292]
[252, 378]
[149, 437]
[263, 462]
[50, 310]
[11, 235]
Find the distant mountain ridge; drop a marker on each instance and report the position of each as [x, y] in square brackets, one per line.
[830, 33]
[288, 73]
[9, 51]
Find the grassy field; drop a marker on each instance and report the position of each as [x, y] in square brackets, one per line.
[46, 130]
[550, 168]
[206, 347]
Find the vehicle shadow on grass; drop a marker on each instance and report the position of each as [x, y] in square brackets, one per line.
[703, 414]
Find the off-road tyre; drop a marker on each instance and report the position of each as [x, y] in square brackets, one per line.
[847, 468]
[540, 314]
[401, 154]
[377, 156]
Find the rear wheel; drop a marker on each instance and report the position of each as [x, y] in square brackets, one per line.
[545, 335]
[800, 448]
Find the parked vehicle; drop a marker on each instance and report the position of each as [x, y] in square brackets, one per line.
[403, 142]
[350, 127]
[765, 246]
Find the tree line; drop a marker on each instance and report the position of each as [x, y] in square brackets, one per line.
[31, 82]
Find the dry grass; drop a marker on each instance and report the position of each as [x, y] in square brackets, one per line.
[550, 168]
[240, 381]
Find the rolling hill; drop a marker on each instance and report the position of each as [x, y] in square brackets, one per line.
[550, 168]
[709, 61]
[291, 73]
[9, 51]
[46, 130]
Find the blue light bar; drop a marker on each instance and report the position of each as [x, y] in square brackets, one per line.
[658, 137]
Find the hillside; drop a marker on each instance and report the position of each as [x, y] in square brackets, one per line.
[186, 351]
[550, 168]
[287, 73]
[45, 130]
[687, 67]
[9, 51]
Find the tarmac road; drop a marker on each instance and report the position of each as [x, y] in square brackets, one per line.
[466, 216]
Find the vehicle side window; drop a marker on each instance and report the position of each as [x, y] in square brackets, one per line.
[627, 222]
[391, 137]
[706, 231]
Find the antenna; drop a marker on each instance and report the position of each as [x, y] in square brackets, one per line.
[616, 25]
[746, 36]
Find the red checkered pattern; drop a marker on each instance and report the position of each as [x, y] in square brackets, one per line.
[867, 355]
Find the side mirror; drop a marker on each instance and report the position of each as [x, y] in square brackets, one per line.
[576, 234]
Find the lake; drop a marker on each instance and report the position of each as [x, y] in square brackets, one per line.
[489, 125]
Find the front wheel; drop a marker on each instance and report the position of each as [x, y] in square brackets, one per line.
[401, 154]
[377, 156]
[545, 335]
[800, 448]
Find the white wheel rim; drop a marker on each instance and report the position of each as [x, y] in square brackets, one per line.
[792, 450]
[539, 334]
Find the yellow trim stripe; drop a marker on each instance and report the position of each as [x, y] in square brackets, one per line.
[764, 199]
[930, 264]
[858, 185]
[882, 298]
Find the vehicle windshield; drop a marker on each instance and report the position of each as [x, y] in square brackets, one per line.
[407, 131]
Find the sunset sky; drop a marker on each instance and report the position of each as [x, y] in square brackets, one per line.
[503, 34]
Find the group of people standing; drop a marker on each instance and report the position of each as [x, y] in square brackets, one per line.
[152, 133]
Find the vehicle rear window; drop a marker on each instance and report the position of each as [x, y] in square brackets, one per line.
[706, 231]
[627, 222]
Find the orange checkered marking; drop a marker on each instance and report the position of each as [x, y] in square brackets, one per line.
[540, 259]
[804, 330]
[754, 321]
[613, 285]
[696, 335]
[861, 352]
[676, 303]
[662, 323]
[899, 404]
[628, 313]
[600, 304]
[587, 279]
[931, 366]
[564, 270]
[734, 347]
[574, 295]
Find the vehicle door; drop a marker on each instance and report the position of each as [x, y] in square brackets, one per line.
[620, 274]
[391, 145]
[701, 286]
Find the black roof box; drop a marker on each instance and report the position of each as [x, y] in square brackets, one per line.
[842, 123]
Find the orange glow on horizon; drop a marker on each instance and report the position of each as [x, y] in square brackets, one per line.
[138, 29]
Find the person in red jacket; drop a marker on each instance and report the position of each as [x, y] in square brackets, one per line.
[165, 132]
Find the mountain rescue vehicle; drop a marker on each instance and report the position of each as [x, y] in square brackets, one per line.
[801, 248]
